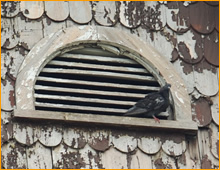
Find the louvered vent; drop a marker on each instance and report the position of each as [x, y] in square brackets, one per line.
[93, 81]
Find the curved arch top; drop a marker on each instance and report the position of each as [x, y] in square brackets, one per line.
[65, 40]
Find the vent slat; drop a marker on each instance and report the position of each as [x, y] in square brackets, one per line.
[97, 92]
[93, 51]
[100, 74]
[96, 79]
[83, 99]
[102, 84]
[101, 109]
[100, 58]
[98, 66]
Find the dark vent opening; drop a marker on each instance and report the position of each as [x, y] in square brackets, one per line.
[98, 79]
[78, 82]
[82, 86]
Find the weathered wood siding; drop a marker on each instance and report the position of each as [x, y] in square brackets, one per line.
[186, 33]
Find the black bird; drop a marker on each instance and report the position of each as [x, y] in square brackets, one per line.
[152, 104]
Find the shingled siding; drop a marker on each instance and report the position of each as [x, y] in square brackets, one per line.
[186, 33]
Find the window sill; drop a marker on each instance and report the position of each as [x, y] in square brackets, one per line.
[186, 127]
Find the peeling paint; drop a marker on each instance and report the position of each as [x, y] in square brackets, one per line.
[206, 163]
[171, 33]
[180, 99]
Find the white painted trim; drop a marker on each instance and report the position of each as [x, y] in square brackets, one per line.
[133, 47]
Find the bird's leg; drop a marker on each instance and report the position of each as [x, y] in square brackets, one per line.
[156, 119]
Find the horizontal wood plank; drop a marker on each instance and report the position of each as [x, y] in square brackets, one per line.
[83, 99]
[102, 84]
[100, 58]
[99, 74]
[76, 107]
[96, 92]
[92, 51]
[186, 127]
[98, 66]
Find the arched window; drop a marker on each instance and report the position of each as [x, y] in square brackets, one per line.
[94, 74]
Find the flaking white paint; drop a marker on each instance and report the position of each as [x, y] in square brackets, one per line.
[190, 43]
[180, 99]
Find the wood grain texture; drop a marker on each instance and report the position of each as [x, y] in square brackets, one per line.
[202, 21]
[75, 138]
[114, 159]
[10, 8]
[57, 11]
[26, 134]
[9, 36]
[130, 13]
[139, 160]
[14, 156]
[214, 140]
[6, 126]
[204, 79]
[65, 157]
[124, 143]
[100, 140]
[80, 11]
[162, 161]
[154, 16]
[5, 94]
[177, 16]
[50, 135]
[150, 145]
[106, 13]
[172, 148]
[215, 109]
[32, 9]
[39, 157]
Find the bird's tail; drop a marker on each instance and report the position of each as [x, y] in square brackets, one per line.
[134, 111]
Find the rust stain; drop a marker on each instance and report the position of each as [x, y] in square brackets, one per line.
[182, 159]
[100, 145]
[81, 142]
[151, 17]
[197, 26]
[206, 163]
[129, 159]
[133, 12]
[184, 51]
[211, 48]
[26, 11]
[70, 160]
[12, 97]
[12, 157]
[7, 130]
[23, 51]
[187, 68]
[159, 164]
[96, 159]
[48, 21]
[7, 43]
[202, 17]
[175, 55]
[4, 5]
[176, 138]
[209, 67]
[25, 45]
[203, 111]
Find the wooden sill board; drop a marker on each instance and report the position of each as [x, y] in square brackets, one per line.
[186, 127]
